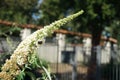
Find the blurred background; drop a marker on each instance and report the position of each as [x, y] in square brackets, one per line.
[88, 48]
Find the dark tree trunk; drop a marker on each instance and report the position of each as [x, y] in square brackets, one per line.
[93, 63]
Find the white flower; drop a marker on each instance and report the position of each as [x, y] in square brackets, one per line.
[20, 60]
[21, 54]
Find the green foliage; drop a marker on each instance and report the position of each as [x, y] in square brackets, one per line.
[21, 75]
[115, 30]
[34, 66]
[98, 13]
[36, 69]
[16, 10]
[6, 31]
[32, 69]
[58, 11]
[19, 11]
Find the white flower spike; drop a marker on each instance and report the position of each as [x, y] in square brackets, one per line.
[20, 56]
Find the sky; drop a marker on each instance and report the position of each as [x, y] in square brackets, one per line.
[37, 16]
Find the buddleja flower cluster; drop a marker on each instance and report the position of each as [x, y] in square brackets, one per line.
[19, 58]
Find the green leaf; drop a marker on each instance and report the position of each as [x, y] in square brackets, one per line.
[21, 75]
[28, 67]
[47, 73]
[31, 75]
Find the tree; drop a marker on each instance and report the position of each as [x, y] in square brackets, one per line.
[52, 10]
[19, 11]
[98, 14]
